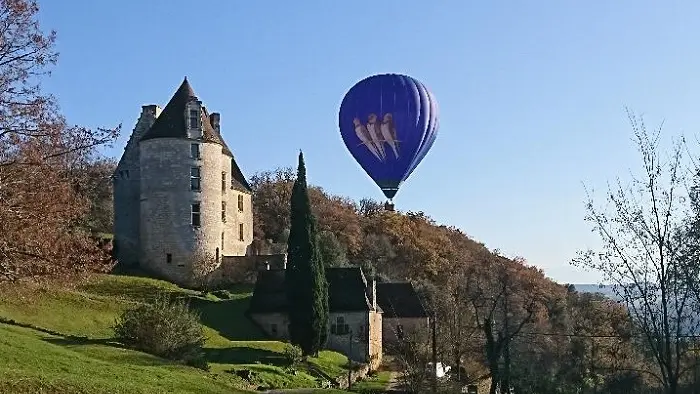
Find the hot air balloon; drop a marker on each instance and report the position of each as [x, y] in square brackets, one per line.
[388, 123]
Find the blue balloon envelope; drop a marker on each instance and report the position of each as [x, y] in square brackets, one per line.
[388, 123]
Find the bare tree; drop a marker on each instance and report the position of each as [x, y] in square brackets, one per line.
[40, 205]
[202, 271]
[642, 243]
[412, 353]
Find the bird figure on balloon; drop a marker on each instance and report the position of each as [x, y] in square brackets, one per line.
[389, 133]
[366, 138]
[374, 135]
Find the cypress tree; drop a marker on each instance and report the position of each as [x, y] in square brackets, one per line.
[306, 286]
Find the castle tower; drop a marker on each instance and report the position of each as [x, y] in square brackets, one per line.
[127, 191]
[195, 204]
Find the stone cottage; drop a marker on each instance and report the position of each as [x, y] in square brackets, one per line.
[403, 314]
[179, 196]
[355, 316]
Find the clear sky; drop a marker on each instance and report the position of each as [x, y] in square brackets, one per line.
[531, 93]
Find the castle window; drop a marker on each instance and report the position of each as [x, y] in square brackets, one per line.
[168, 258]
[223, 182]
[273, 329]
[222, 241]
[340, 328]
[240, 232]
[399, 332]
[223, 211]
[127, 174]
[194, 151]
[196, 215]
[194, 119]
[240, 202]
[195, 179]
[217, 255]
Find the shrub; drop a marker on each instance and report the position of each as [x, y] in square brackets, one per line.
[293, 356]
[165, 328]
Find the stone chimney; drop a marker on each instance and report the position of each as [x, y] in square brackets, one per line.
[215, 120]
[373, 292]
[150, 110]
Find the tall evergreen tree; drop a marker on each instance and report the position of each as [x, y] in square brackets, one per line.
[306, 286]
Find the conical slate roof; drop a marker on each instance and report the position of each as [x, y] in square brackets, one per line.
[171, 123]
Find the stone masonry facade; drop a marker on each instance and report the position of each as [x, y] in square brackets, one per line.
[182, 207]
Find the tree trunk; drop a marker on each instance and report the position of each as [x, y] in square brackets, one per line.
[495, 375]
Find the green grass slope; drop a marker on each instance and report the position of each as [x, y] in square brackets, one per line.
[34, 361]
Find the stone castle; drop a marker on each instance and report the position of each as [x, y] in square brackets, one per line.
[181, 203]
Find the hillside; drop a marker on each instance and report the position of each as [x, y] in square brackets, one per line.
[68, 348]
[401, 245]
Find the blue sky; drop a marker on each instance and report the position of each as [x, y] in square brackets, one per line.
[531, 93]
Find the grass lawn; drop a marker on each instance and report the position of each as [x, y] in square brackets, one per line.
[32, 361]
[375, 384]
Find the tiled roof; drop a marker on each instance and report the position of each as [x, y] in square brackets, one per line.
[171, 123]
[238, 180]
[346, 286]
[347, 289]
[399, 300]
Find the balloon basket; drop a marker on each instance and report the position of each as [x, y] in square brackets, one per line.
[389, 206]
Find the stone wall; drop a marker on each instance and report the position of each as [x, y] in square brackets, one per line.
[358, 322]
[127, 192]
[375, 340]
[244, 269]
[412, 326]
[366, 346]
[269, 322]
[234, 246]
[166, 207]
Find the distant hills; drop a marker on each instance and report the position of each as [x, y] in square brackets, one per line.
[605, 290]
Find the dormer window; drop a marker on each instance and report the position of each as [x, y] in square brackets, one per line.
[194, 119]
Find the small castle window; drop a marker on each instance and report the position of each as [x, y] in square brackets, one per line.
[194, 151]
[127, 174]
[223, 182]
[240, 202]
[340, 328]
[196, 215]
[223, 211]
[399, 332]
[168, 258]
[194, 119]
[240, 232]
[195, 179]
[222, 241]
[273, 328]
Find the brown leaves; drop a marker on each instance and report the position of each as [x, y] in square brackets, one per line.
[42, 201]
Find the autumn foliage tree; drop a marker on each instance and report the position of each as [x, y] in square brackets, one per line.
[41, 158]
